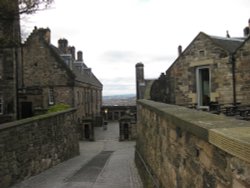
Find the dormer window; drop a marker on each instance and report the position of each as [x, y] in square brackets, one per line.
[67, 59]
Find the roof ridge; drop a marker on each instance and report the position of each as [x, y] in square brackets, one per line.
[229, 39]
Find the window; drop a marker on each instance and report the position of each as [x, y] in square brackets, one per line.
[1, 104]
[203, 86]
[201, 53]
[78, 98]
[51, 96]
[83, 97]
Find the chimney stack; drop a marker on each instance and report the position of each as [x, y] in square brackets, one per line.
[47, 35]
[247, 29]
[79, 56]
[43, 33]
[63, 45]
[72, 51]
[179, 50]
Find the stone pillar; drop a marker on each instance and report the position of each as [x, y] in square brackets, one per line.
[140, 82]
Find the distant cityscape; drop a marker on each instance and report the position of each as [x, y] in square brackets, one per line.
[119, 100]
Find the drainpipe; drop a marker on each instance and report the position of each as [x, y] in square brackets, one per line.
[16, 80]
[233, 61]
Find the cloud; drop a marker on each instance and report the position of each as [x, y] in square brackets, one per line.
[118, 56]
[115, 89]
[144, 1]
[118, 85]
[115, 35]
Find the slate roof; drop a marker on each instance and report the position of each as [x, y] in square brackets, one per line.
[229, 44]
[80, 70]
[55, 52]
[85, 75]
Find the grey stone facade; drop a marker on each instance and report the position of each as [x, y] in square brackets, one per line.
[127, 127]
[215, 59]
[9, 61]
[210, 69]
[52, 75]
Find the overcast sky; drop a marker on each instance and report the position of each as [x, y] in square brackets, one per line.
[116, 34]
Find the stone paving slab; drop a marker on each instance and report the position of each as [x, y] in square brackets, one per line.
[90, 171]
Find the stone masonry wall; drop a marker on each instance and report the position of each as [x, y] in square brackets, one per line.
[186, 148]
[243, 73]
[179, 86]
[32, 145]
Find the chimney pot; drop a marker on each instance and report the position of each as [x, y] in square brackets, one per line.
[63, 45]
[79, 56]
[179, 50]
[47, 35]
[72, 51]
[246, 31]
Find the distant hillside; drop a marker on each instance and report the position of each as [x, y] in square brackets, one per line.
[119, 100]
[125, 96]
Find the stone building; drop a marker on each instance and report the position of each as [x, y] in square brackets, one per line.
[52, 75]
[9, 61]
[115, 113]
[127, 127]
[211, 69]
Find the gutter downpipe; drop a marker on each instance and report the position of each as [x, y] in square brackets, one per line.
[233, 61]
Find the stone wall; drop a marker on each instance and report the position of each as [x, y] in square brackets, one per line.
[181, 147]
[243, 73]
[9, 60]
[32, 145]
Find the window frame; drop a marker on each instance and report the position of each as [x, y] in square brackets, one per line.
[51, 96]
[198, 86]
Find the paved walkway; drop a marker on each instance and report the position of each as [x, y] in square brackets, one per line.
[105, 163]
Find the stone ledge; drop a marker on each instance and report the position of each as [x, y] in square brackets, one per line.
[230, 135]
[33, 119]
[235, 141]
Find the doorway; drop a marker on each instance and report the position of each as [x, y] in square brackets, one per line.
[26, 109]
[126, 131]
[86, 131]
[203, 86]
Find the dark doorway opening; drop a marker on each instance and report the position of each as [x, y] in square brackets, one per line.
[26, 109]
[126, 132]
[203, 86]
[87, 131]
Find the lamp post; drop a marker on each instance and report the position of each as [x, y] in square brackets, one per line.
[106, 113]
[106, 118]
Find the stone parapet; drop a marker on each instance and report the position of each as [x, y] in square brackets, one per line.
[32, 145]
[182, 147]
